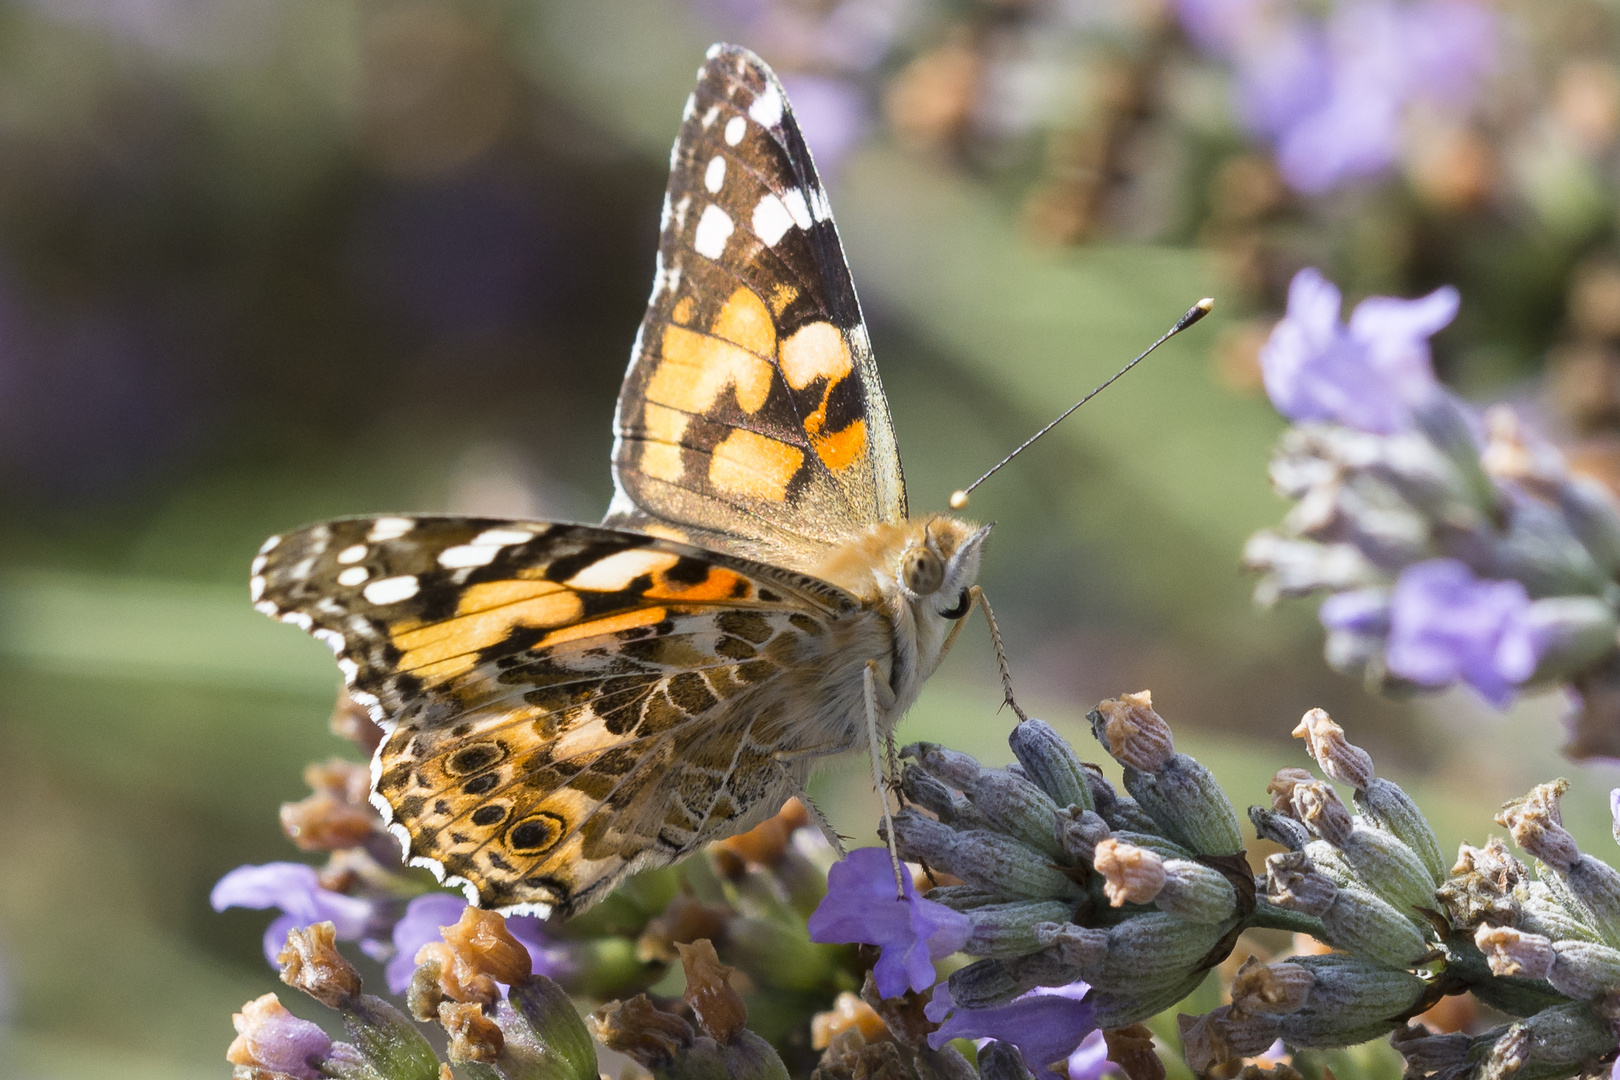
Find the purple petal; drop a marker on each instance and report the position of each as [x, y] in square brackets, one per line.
[1090, 1059]
[282, 1042]
[1446, 625]
[860, 906]
[1358, 611]
[296, 890]
[420, 925]
[1047, 1024]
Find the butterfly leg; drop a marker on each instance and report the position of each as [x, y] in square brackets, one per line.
[978, 597]
[782, 757]
[869, 684]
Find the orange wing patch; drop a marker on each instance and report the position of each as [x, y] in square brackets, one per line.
[487, 614]
[695, 369]
[819, 351]
[751, 465]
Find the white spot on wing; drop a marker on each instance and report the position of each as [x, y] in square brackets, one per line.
[352, 553]
[690, 107]
[349, 668]
[389, 528]
[503, 537]
[734, 130]
[674, 155]
[330, 638]
[298, 619]
[714, 228]
[796, 206]
[258, 564]
[256, 589]
[618, 571]
[266, 607]
[269, 545]
[714, 51]
[767, 108]
[680, 211]
[468, 555]
[391, 590]
[715, 175]
[354, 575]
[710, 116]
[665, 214]
[771, 220]
[820, 209]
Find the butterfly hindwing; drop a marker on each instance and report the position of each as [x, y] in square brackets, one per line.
[563, 704]
[752, 419]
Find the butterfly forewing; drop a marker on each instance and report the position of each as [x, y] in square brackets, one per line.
[751, 418]
[564, 703]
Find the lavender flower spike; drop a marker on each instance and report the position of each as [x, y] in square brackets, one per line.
[1050, 1024]
[270, 1037]
[860, 906]
[296, 890]
[1369, 375]
[1446, 624]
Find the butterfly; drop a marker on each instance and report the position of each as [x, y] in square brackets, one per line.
[567, 704]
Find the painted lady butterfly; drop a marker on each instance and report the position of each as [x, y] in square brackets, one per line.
[567, 704]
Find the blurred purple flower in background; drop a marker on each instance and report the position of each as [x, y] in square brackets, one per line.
[1367, 375]
[860, 906]
[427, 914]
[1446, 624]
[1331, 95]
[296, 890]
[1049, 1024]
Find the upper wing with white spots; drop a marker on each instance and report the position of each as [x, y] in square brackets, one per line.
[752, 419]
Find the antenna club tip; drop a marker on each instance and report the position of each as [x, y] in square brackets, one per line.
[1206, 305]
[959, 500]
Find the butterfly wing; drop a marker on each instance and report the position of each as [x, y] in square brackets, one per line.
[751, 420]
[564, 704]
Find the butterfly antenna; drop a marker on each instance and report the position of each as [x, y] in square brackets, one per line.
[959, 499]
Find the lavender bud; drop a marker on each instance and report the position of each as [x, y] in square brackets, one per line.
[1196, 892]
[985, 859]
[1130, 874]
[1583, 970]
[1539, 912]
[1318, 806]
[1387, 806]
[1111, 1009]
[1222, 1035]
[1510, 952]
[1006, 930]
[271, 1038]
[1350, 1001]
[1342, 761]
[1131, 732]
[1389, 868]
[965, 897]
[1119, 811]
[930, 794]
[1293, 883]
[1589, 510]
[1189, 806]
[1329, 860]
[1007, 803]
[1554, 1042]
[1360, 922]
[1078, 831]
[1050, 762]
[1540, 551]
[1588, 887]
[1573, 633]
[561, 1043]
[1277, 989]
[1001, 1061]
[1279, 828]
[1426, 1053]
[311, 962]
[1141, 953]
[388, 1041]
[987, 983]
[1484, 886]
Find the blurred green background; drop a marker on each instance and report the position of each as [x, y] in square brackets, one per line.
[265, 262]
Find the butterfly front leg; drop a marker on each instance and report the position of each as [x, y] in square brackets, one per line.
[871, 680]
[783, 757]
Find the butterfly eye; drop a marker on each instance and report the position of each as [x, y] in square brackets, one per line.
[961, 607]
[922, 571]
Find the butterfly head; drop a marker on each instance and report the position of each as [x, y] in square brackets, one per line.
[940, 564]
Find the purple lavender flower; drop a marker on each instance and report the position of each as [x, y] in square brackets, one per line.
[1446, 624]
[1367, 375]
[1048, 1025]
[296, 890]
[860, 906]
[1331, 96]
[426, 914]
[1090, 1059]
[269, 1036]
